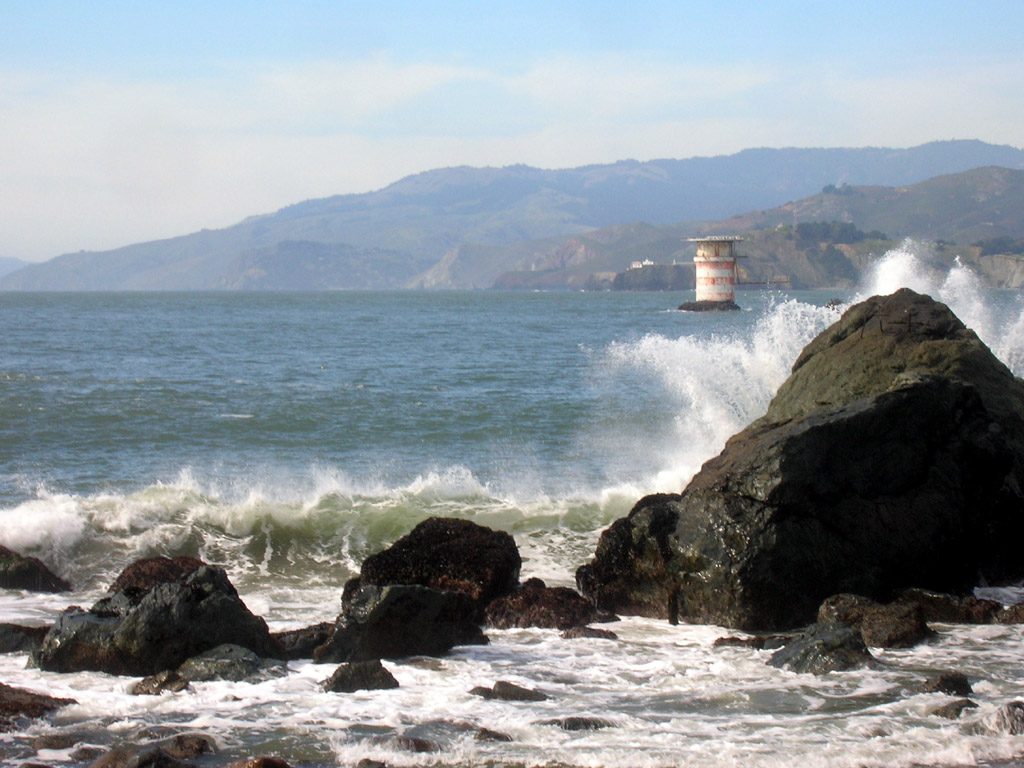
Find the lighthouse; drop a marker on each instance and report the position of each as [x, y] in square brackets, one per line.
[715, 268]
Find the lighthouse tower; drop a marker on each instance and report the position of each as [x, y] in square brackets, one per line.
[715, 266]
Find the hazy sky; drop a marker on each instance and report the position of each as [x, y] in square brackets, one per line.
[130, 121]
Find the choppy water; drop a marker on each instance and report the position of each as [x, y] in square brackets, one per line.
[288, 436]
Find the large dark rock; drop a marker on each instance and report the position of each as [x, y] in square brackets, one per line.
[171, 623]
[892, 457]
[15, 638]
[28, 573]
[142, 575]
[360, 676]
[399, 621]
[447, 554]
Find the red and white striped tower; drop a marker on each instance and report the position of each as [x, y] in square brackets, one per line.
[715, 266]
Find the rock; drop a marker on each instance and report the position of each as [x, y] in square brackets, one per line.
[1009, 719]
[360, 676]
[709, 306]
[951, 609]
[953, 709]
[399, 621]
[447, 554]
[154, 685]
[893, 456]
[823, 648]
[15, 638]
[577, 723]
[407, 743]
[895, 625]
[506, 691]
[263, 762]
[632, 569]
[17, 703]
[952, 683]
[142, 575]
[757, 642]
[300, 643]
[548, 607]
[168, 753]
[28, 573]
[230, 662]
[575, 633]
[171, 623]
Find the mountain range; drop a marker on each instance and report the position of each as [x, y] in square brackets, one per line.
[526, 227]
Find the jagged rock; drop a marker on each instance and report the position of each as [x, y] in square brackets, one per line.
[28, 573]
[893, 456]
[175, 752]
[894, 625]
[407, 743]
[506, 691]
[447, 554]
[823, 648]
[576, 633]
[533, 606]
[17, 703]
[952, 683]
[1009, 719]
[171, 623]
[154, 685]
[15, 638]
[953, 709]
[952, 609]
[301, 643]
[360, 676]
[578, 723]
[230, 662]
[262, 762]
[399, 621]
[142, 575]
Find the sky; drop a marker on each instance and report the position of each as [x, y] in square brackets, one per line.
[122, 122]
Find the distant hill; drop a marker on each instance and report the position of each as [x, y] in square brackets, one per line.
[954, 211]
[464, 227]
[8, 265]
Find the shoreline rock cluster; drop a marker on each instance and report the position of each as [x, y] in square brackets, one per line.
[885, 480]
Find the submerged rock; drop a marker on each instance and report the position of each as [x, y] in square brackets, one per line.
[399, 621]
[28, 573]
[892, 457]
[17, 703]
[893, 625]
[301, 643]
[171, 623]
[230, 662]
[15, 638]
[447, 554]
[823, 648]
[541, 606]
[506, 691]
[709, 306]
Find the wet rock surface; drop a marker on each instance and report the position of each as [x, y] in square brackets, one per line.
[447, 554]
[892, 457]
[18, 704]
[823, 648]
[360, 676]
[398, 621]
[172, 622]
[893, 625]
[540, 606]
[29, 573]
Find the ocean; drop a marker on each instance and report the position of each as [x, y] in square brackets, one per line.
[287, 436]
